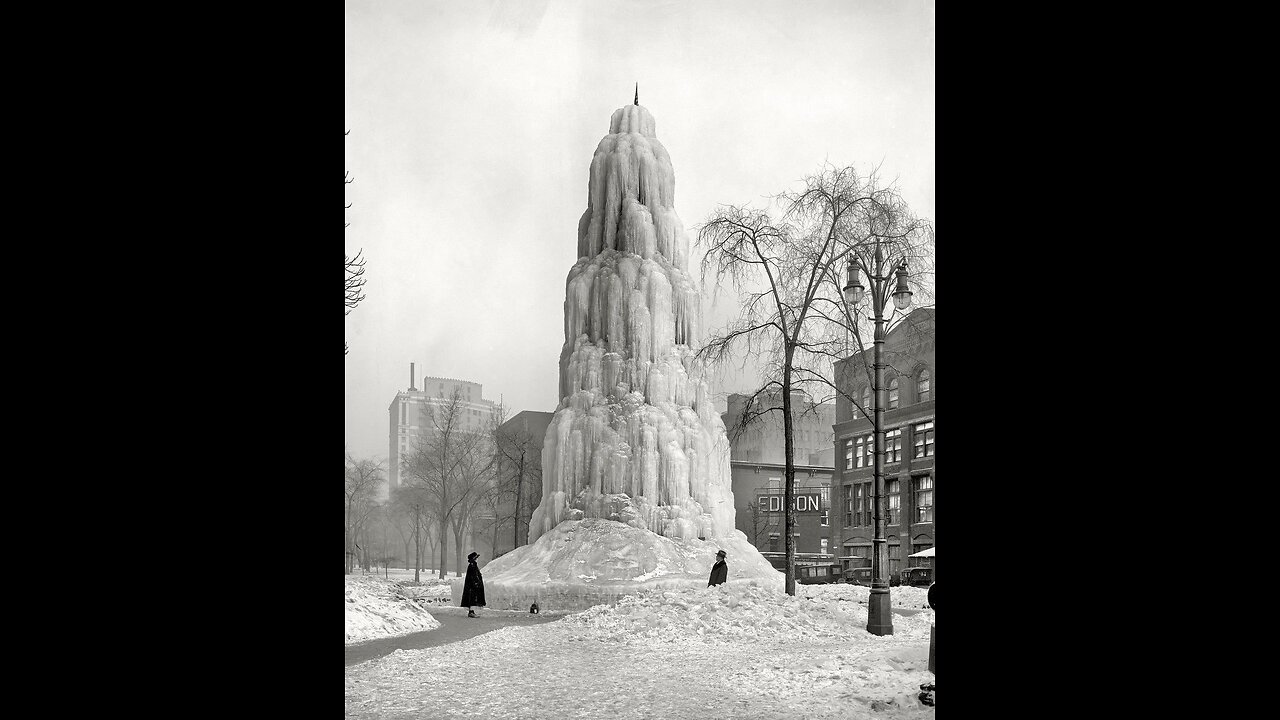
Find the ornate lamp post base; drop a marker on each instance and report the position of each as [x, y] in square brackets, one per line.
[879, 614]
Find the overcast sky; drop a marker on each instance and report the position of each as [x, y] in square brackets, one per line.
[473, 125]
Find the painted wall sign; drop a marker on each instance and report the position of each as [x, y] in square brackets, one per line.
[802, 502]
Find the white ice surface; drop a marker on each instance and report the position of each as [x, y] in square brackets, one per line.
[635, 437]
[723, 652]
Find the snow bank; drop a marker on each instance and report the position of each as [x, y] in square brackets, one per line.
[581, 563]
[736, 651]
[378, 608]
[899, 597]
[731, 613]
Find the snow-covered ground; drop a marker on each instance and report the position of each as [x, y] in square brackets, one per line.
[727, 651]
[378, 607]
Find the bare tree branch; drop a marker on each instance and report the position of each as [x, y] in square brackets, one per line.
[799, 326]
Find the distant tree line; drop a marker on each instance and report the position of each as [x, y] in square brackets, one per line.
[458, 482]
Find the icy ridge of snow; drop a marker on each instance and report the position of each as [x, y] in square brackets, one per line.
[378, 608]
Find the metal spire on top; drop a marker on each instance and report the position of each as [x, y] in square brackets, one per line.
[637, 93]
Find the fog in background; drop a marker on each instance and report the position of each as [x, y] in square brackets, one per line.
[472, 128]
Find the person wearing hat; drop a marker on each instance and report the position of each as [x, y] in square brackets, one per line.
[719, 571]
[472, 586]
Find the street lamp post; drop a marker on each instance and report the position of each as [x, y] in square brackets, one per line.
[879, 613]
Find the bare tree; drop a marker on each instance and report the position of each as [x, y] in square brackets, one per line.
[492, 509]
[790, 271]
[363, 477]
[448, 461]
[417, 505]
[519, 474]
[401, 521]
[474, 480]
[354, 266]
[759, 523]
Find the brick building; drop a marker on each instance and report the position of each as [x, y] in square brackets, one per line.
[908, 354]
[757, 462]
[762, 440]
[757, 499]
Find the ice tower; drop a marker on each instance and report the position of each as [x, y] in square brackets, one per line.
[635, 466]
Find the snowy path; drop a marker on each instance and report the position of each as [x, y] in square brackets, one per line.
[454, 626]
[542, 672]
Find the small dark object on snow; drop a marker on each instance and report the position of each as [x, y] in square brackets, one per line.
[926, 694]
[534, 608]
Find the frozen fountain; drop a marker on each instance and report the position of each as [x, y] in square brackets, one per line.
[636, 489]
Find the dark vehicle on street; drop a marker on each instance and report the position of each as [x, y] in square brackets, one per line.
[858, 576]
[811, 568]
[918, 576]
[818, 574]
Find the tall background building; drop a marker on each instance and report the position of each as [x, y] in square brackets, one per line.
[907, 501]
[408, 416]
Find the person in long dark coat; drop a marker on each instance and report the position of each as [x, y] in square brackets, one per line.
[719, 571]
[472, 586]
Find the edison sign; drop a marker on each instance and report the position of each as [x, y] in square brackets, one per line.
[802, 502]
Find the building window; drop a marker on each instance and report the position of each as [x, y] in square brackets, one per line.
[825, 498]
[848, 454]
[891, 489]
[866, 398]
[895, 558]
[863, 513]
[864, 450]
[893, 395]
[922, 489]
[850, 501]
[893, 446]
[923, 434]
[924, 386]
[824, 546]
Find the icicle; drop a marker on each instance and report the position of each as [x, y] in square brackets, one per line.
[635, 419]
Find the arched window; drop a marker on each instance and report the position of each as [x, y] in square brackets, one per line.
[924, 386]
[893, 395]
[866, 398]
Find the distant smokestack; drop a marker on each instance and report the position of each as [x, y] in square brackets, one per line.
[411, 387]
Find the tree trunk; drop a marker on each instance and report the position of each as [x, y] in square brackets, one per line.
[457, 551]
[444, 545]
[515, 531]
[493, 551]
[790, 473]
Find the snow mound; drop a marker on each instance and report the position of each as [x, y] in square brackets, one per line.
[721, 612]
[581, 563]
[915, 598]
[378, 608]
[728, 613]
